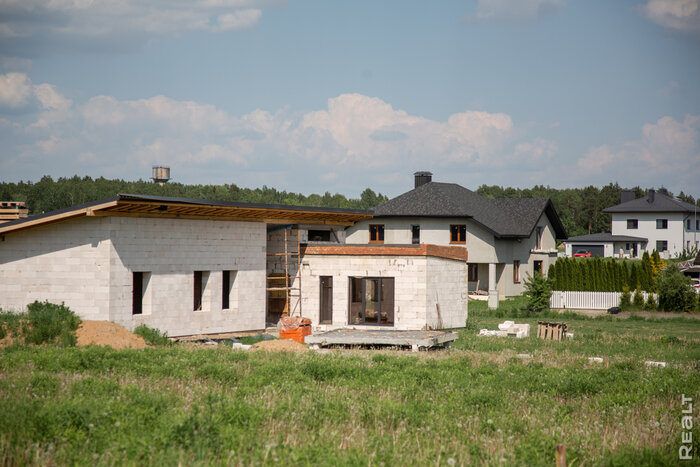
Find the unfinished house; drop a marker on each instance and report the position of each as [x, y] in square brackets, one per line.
[180, 265]
[507, 239]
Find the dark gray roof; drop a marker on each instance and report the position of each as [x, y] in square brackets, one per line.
[605, 237]
[504, 217]
[661, 203]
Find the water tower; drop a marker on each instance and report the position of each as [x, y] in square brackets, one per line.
[161, 174]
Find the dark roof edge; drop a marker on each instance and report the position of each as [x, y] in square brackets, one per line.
[78, 207]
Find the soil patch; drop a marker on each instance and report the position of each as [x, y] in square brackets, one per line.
[281, 345]
[108, 333]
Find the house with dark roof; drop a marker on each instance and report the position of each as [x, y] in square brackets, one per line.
[506, 238]
[653, 222]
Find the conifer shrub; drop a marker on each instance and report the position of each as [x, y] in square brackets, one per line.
[538, 290]
[638, 300]
[625, 298]
[651, 305]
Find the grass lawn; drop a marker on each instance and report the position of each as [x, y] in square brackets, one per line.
[478, 403]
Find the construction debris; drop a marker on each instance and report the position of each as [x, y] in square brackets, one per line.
[650, 363]
[551, 331]
[595, 359]
[508, 329]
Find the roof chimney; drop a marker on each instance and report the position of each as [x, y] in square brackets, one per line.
[652, 195]
[422, 178]
[627, 195]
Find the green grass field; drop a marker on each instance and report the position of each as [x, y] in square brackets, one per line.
[477, 403]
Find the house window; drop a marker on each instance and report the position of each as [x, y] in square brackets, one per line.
[661, 224]
[473, 272]
[661, 245]
[376, 233]
[632, 224]
[319, 235]
[539, 238]
[458, 233]
[697, 225]
[688, 224]
[140, 293]
[372, 300]
[516, 271]
[537, 267]
[228, 280]
[200, 290]
[415, 234]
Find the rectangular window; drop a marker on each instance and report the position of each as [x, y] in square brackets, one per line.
[473, 272]
[537, 267]
[661, 224]
[458, 233]
[688, 224]
[661, 245]
[141, 293]
[228, 299]
[200, 302]
[697, 224]
[632, 224]
[372, 300]
[539, 238]
[415, 234]
[326, 311]
[319, 235]
[516, 271]
[376, 233]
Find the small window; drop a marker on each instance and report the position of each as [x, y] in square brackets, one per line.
[319, 235]
[376, 233]
[697, 224]
[632, 224]
[141, 293]
[473, 272]
[539, 238]
[200, 290]
[372, 300]
[516, 271]
[688, 224]
[537, 267]
[661, 245]
[415, 234]
[458, 233]
[228, 279]
[661, 224]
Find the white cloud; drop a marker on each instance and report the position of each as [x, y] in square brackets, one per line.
[108, 24]
[499, 10]
[15, 90]
[681, 15]
[668, 152]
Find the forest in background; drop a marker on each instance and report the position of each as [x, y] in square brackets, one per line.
[580, 209]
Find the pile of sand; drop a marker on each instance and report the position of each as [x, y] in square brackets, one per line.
[108, 333]
[281, 345]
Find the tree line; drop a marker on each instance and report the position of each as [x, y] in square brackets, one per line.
[580, 209]
[49, 195]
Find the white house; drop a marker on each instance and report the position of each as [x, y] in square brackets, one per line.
[654, 222]
[506, 238]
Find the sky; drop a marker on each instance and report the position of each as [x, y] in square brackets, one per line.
[315, 96]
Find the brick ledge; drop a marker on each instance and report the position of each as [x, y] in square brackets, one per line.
[424, 249]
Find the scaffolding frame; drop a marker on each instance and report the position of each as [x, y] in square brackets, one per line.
[288, 288]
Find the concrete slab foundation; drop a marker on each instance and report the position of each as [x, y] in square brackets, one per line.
[370, 337]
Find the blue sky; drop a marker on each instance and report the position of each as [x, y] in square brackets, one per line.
[316, 96]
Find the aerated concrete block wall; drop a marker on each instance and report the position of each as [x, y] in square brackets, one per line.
[66, 262]
[413, 306]
[446, 288]
[171, 250]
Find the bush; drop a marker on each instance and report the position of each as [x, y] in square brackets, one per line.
[538, 290]
[625, 298]
[675, 290]
[50, 323]
[8, 322]
[638, 300]
[650, 305]
[152, 336]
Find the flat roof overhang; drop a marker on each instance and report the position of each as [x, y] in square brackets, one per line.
[181, 208]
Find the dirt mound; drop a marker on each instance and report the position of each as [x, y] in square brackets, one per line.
[108, 333]
[281, 345]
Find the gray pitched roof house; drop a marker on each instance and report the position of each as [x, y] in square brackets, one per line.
[507, 239]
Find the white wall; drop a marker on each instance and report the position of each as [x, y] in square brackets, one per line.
[87, 263]
[420, 283]
[63, 262]
[674, 235]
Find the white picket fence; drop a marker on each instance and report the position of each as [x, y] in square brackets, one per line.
[587, 300]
